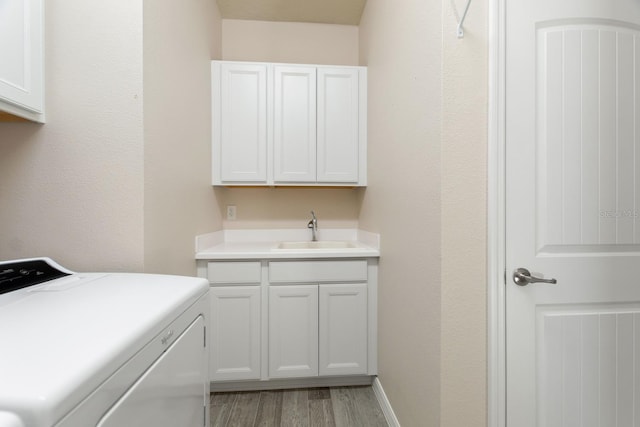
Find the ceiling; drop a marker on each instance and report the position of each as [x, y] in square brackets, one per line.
[344, 12]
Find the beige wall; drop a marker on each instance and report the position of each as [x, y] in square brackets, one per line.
[399, 42]
[290, 207]
[116, 180]
[180, 39]
[293, 42]
[72, 189]
[427, 131]
[464, 174]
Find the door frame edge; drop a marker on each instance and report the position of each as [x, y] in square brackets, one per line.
[496, 220]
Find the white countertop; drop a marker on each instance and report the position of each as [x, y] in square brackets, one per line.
[263, 244]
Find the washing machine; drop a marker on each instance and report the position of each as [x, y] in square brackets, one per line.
[101, 349]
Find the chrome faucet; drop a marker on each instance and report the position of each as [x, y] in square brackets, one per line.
[313, 225]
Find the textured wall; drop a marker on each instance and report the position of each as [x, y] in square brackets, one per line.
[464, 200]
[427, 127]
[180, 39]
[102, 185]
[72, 189]
[400, 44]
[295, 42]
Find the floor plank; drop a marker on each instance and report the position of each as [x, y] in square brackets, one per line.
[245, 409]
[319, 393]
[344, 410]
[295, 408]
[367, 407]
[321, 413]
[221, 406]
[269, 409]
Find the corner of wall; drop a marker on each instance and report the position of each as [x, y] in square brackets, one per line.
[180, 39]
[400, 43]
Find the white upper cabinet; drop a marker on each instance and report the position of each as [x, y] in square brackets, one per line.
[314, 128]
[21, 59]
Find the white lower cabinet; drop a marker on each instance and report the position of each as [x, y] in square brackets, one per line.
[279, 320]
[235, 333]
[293, 331]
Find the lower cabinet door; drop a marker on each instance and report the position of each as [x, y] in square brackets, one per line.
[235, 333]
[343, 329]
[293, 331]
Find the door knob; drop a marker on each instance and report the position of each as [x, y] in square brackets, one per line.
[522, 277]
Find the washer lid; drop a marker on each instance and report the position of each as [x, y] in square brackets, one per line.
[61, 339]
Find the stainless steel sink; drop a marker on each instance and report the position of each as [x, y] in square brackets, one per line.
[326, 244]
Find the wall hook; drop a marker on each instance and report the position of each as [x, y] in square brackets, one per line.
[464, 15]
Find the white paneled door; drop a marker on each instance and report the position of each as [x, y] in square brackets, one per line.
[573, 212]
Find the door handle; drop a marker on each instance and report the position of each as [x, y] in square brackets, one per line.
[522, 277]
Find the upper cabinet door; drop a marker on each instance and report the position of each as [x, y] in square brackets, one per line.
[240, 122]
[338, 125]
[294, 124]
[21, 58]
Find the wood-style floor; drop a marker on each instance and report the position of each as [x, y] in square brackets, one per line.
[329, 407]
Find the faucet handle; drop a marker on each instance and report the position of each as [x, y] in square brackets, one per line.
[313, 225]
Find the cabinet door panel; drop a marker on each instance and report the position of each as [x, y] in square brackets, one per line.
[315, 271]
[338, 116]
[295, 124]
[243, 123]
[234, 272]
[21, 81]
[293, 331]
[235, 333]
[343, 329]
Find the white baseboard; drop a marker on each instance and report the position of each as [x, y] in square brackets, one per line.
[387, 410]
[279, 384]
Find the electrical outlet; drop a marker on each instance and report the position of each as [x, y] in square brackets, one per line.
[231, 212]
